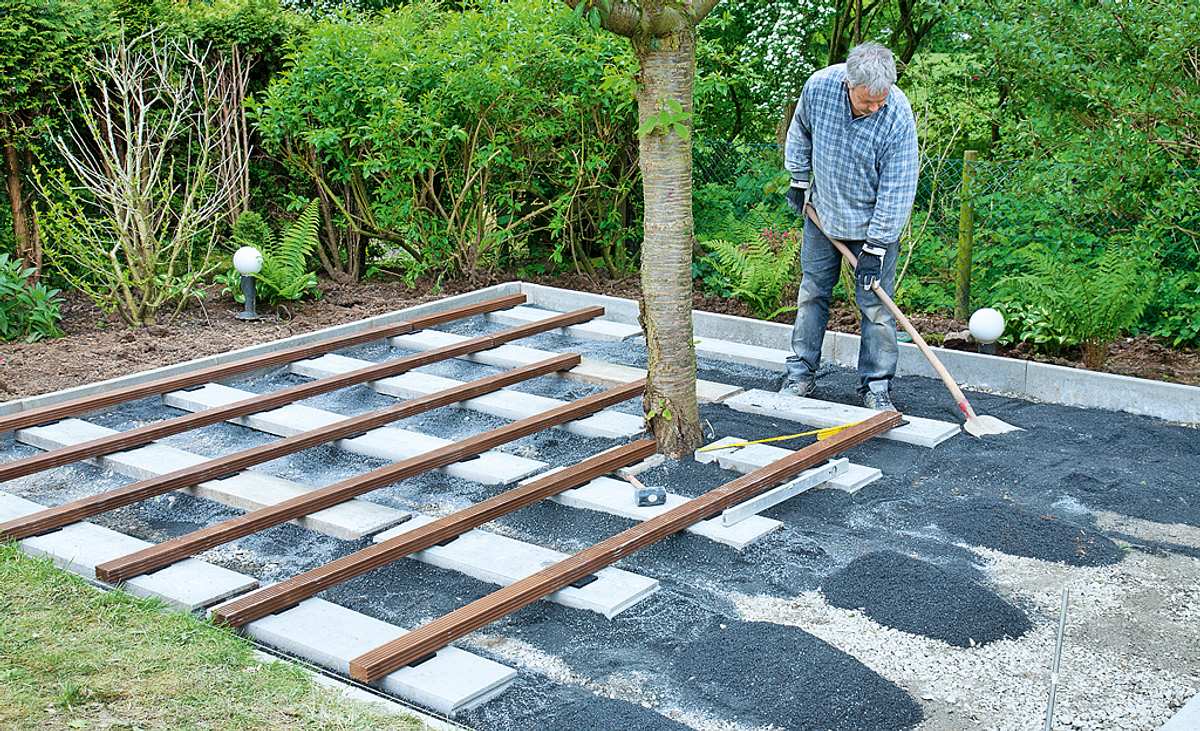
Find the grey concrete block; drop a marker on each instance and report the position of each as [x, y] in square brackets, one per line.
[1186, 718]
[248, 490]
[502, 560]
[771, 359]
[598, 329]
[748, 459]
[617, 309]
[820, 414]
[616, 497]
[390, 443]
[589, 370]
[713, 455]
[188, 585]
[805, 481]
[506, 403]
[1057, 384]
[331, 636]
[14, 506]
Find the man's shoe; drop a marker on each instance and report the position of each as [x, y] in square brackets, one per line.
[802, 389]
[879, 400]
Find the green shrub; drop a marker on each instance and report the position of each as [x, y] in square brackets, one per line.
[497, 137]
[285, 273]
[28, 311]
[1087, 303]
[759, 259]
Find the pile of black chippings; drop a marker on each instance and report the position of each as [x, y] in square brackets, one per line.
[924, 599]
[764, 673]
[1008, 528]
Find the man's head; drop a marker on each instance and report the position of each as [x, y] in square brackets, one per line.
[870, 73]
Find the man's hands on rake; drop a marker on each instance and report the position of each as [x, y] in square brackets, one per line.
[870, 266]
[797, 196]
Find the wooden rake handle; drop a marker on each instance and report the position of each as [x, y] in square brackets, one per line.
[960, 399]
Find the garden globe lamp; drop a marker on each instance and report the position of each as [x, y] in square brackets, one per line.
[248, 261]
[986, 325]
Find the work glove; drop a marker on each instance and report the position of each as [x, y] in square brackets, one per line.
[797, 196]
[870, 265]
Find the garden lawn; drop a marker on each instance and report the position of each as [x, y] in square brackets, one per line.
[75, 657]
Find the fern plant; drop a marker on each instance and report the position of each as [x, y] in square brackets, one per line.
[1089, 303]
[285, 273]
[759, 259]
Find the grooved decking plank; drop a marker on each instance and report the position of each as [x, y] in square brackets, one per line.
[750, 458]
[598, 329]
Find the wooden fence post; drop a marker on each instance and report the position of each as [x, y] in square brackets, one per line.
[966, 238]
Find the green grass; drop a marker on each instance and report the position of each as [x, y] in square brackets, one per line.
[74, 657]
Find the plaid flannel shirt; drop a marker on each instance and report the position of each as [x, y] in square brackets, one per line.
[863, 171]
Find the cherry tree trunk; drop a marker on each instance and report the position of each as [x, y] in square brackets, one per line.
[668, 69]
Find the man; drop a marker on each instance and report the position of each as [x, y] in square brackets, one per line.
[852, 153]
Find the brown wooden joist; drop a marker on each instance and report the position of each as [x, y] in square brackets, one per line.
[428, 639]
[157, 430]
[83, 508]
[278, 597]
[94, 402]
[177, 549]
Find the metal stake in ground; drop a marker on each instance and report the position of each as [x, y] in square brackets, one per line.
[278, 597]
[431, 637]
[143, 435]
[1062, 626]
[76, 510]
[177, 549]
[76, 406]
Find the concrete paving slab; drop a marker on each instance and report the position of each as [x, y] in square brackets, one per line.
[188, 585]
[607, 495]
[502, 560]
[771, 359]
[331, 636]
[713, 455]
[918, 431]
[590, 370]
[248, 490]
[805, 481]
[1186, 718]
[598, 329]
[390, 443]
[506, 403]
[748, 459]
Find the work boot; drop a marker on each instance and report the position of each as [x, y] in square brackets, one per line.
[878, 396]
[802, 389]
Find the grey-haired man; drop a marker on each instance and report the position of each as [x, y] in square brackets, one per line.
[852, 152]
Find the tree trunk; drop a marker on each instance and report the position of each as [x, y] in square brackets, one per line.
[29, 243]
[667, 72]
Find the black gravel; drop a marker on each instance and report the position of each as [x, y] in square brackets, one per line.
[921, 598]
[774, 674]
[1006, 527]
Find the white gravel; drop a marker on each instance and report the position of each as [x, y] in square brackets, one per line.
[1131, 655]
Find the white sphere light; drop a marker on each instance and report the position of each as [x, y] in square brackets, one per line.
[247, 260]
[986, 325]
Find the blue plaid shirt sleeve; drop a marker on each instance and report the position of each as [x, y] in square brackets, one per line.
[797, 156]
[897, 186]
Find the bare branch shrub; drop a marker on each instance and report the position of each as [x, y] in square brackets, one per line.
[150, 177]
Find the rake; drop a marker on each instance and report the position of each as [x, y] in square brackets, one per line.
[976, 425]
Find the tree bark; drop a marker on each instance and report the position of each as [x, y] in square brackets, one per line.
[25, 230]
[668, 69]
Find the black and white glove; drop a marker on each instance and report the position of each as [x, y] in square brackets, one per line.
[870, 266]
[797, 196]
